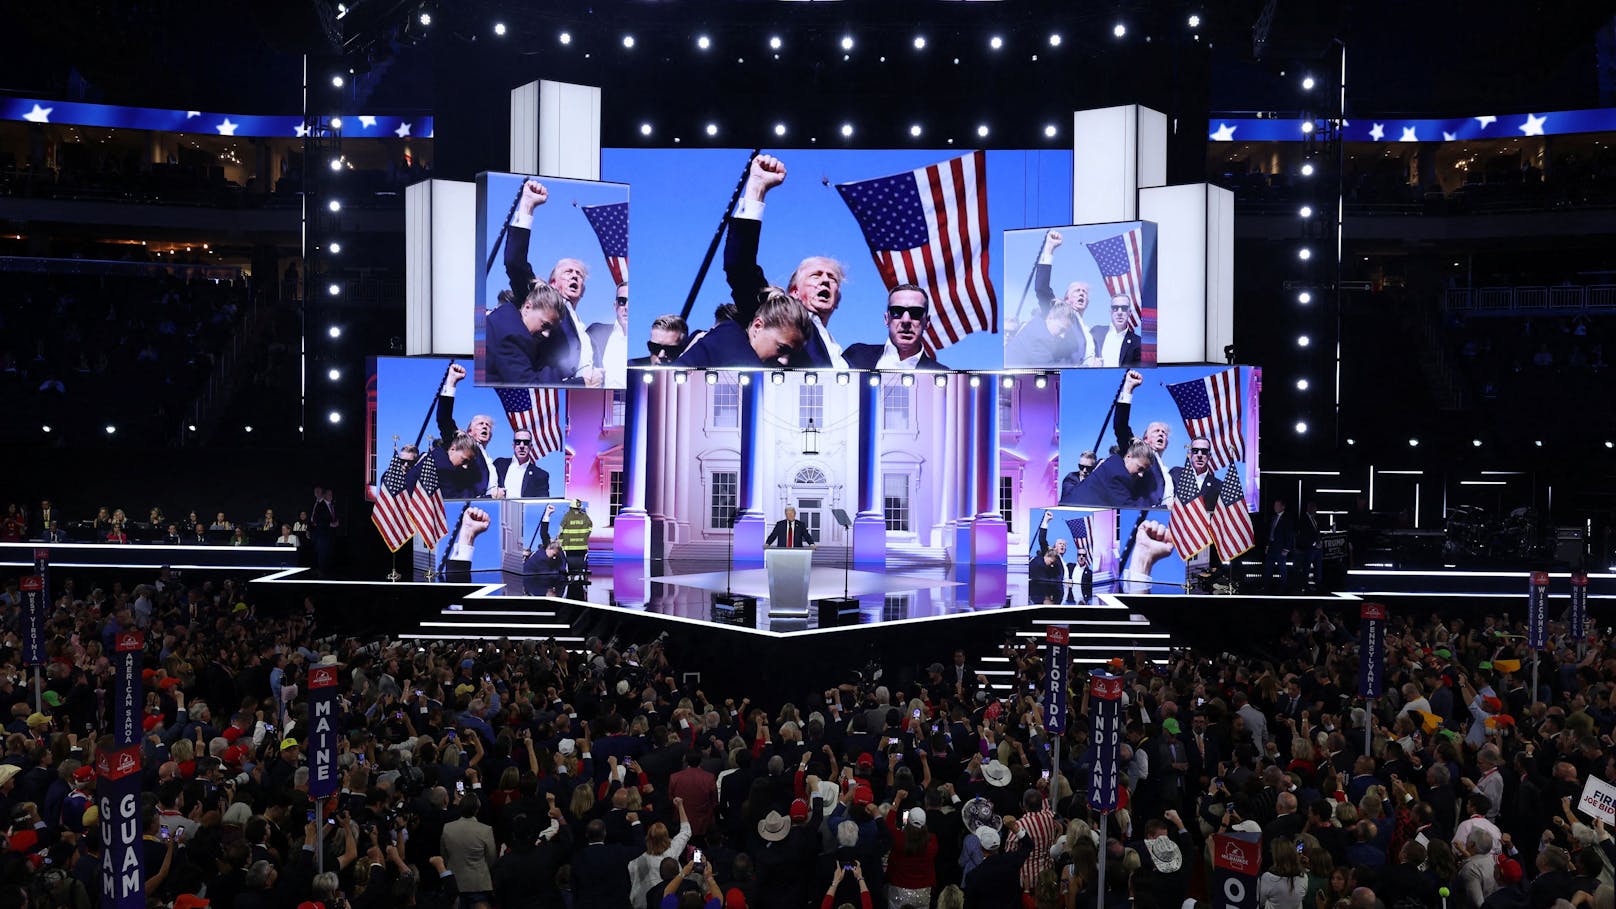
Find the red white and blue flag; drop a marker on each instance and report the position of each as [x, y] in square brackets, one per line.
[390, 514]
[424, 500]
[1211, 408]
[929, 227]
[1187, 517]
[537, 410]
[1231, 522]
[1083, 536]
[611, 228]
[1121, 261]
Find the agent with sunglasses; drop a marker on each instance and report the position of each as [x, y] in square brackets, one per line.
[668, 334]
[908, 314]
[1117, 344]
[522, 473]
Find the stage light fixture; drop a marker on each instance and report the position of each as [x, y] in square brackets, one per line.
[777, 377]
[1413, 443]
[425, 18]
[1538, 443]
[334, 205]
[1301, 385]
[191, 427]
[1306, 211]
[1304, 254]
[704, 42]
[1307, 170]
[908, 380]
[336, 164]
[565, 37]
[645, 129]
[1304, 298]
[1041, 382]
[875, 380]
[940, 381]
[779, 129]
[843, 378]
[333, 289]
[1610, 444]
[914, 130]
[335, 246]
[1301, 427]
[334, 331]
[45, 428]
[976, 381]
[336, 81]
[810, 378]
[628, 42]
[1008, 382]
[774, 42]
[1303, 341]
[1307, 127]
[847, 42]
[996, 42]
[1307, 83]
[681, 377]
[111, 430]
[334, 417]
[920, 42]
[333, 374]
[1118, 30]
[1054, 39]
[1195, 21]
[1049, 131]
[712, 129]
[712, 378]
[982, 131]
[847, 130]
[648, 377]
[499, 29]
[247, 428]
[336, 123]
[1477, 442]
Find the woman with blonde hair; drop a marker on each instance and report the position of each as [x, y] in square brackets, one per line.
[645, 869]
[581, 809]
[1284, 884]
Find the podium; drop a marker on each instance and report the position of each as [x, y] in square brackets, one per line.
[788, 571]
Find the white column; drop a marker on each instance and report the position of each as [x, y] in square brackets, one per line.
[1195, 295]
[440, 261]
[555, 130]
[1115, 152]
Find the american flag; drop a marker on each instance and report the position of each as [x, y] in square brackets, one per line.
[1231, 522]
[390, 515]
[611, 228]
[1211, 408]
[425, 501]
[1082, 536]
[1121, 261]
[537, 410]
[929, 227]
[1187, 517]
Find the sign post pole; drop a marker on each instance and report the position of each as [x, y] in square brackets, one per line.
[1371, 664]
[1537, 622]
[322, 750]
[1105, 736]
[1579, 610]
[118, 779]
[1057, 697]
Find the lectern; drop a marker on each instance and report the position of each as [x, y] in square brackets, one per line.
[788, 570]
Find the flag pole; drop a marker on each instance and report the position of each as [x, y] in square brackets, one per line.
[1107, 421]
[505, 227]
[718, 234]
[1022, 303]
[433, 406]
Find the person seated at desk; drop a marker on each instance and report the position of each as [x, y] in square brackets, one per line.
[116, 534]
[239, 538]
[790, 532]
[219, 523]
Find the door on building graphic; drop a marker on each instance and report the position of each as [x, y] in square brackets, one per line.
[809, 511]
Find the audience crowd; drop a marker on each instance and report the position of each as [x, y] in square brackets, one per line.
[529, 774]
[49, 523]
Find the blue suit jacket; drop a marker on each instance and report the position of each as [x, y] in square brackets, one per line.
[865, 356]
[1132, 353]
[455, 482]
[1110, 485]
[746, 279]
[723, 347]
[535, 361]
[535, 480]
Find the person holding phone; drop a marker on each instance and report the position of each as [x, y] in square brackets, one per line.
[912, 864]
[469, 851]
[842, 870]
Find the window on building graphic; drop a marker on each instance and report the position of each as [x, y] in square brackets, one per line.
[895, 500]
[723, 493]
[896, 401]
[617, 494]
[619, 412]
[811, 406]
[1007, 408]
[1007, 500]
[726, 405]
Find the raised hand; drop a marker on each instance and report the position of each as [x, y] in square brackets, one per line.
[767, 172]
[533, 195]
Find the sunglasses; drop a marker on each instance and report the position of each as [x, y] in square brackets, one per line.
[622, 301]
[1201, 451]
[671, 350]
[524, 442]
[916, 313]
[1120, 308]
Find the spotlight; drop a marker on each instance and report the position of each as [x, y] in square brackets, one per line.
[1307, 83]
[1413, 443]
[425, 18]
[1610, 444]
[191, 427]
[336, 82]
[333, 289]
[45, 428]
[1304, 254]
[775, 42]
[247, 428]
[113, 430]
[875, 380]
[908, 380]
[1301, 385]
[499, 29]
[334, 331]
[645, 129]
[1009, 382]
[712, 378]
[1307, 170]
[996, 42]
[1054, 39]
[920, 42]
[1538, 443]
[810, 378]
[712, 129]
[336, 164]
[1301, 428]
[1477, 442]
[680, 377]
[778, 378]
[335, 247]
[1306, 211]
[1352, 441]
[779, 129]
[847, 130]
[1303, 341]
[842, 378]
[1304, 298]
[334, 205]
[940, 381]
[628, 41]
[336, 123]
[914, 130]
[976, 381]
[982, 131]
[565, 37]
[847, 42]
[1041, 382]
[1049, 131]
[333, 374]
[1195, 21]
[1119, 30]
[336, 417]
[704, 42]
[1307, 127]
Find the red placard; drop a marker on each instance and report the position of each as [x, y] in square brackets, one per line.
[1540, 578]
[1055, 634]
[323, 677]
[115, 765]
[1105, 688]
[1579, 580]
[1238, 855]
[129, 641]
[33, 583]
[1372, 611]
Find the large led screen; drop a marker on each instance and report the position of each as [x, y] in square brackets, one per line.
[1086, 296]
[1073, 554]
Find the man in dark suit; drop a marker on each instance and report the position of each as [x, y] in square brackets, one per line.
[323, 529]
[1157, 434]
[1121, 481]
[1069, 483]
[790, 532]
[772, 337]
[1051, 341]
[1199, 473]
[1116, 343]
[452, 460]
[1309, 550]
[668, 335]
[547, 566]
[1076, 297]
[610, 341]
[1204, 752]
[480, 429]
[816, 284]
[42, 520]
[520, 475]
[551, 351]
[1046, 576]
[908, 313]
[600, 870]
[1281, 540]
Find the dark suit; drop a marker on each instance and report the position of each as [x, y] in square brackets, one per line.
[512, 354]
[473, 482]
[1281, 540]
[799, 534]
[1209, 491]
[1033, 345]
[1133, 349]
[600, 873]
[599, 333]
[455, 482]
[746, 279]
[535, 479]
[1125, 435]
[1045, 581]
[865, 356]
[1112, 486]
[724, 347]
[1046, 298]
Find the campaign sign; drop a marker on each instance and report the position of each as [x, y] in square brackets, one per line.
[1105, 737]
[1236, 863]
[322, 739]
[33, 620]
[1537, 611]
[1578, 617]
[1598, 799]
[1057, 662]
[1371, 650]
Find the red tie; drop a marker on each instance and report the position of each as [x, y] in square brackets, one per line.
[789, 543]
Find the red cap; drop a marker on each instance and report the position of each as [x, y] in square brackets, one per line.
[235, 754]
[863, 796]
[189, 901]
[799, 810]
[734, 899]
[166, 684]
[1492, 705]
[149, 722]
[147, 675]
[866, 760]
[84, 774]
[1509, 870]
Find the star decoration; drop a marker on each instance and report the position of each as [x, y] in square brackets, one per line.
[1487, 121]
[1533, 125]
[38, 114]
[1447, 136]
[192, 113]
[1408, 135]
[403, 131]
[302, 130]
[227, 128]
[367, 122]
[1377, 132]
[1224, 133]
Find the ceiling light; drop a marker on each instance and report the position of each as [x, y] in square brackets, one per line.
[335, 246]
[982, 131]
[920, 42]
[847, 130]
[1301, 385]
[1195, 21]
[336, 81]
[712, 129]
[628, 41]
[333, 374]
[565, 37]
[996, 42]
[425, 18]
[1304, 254]
[1303, 341]
[1054, 39]
[334, 331]
[704, 42]
[1301, 428]
[336, 164]
[1307, 83]
[1413, 443]
[1307, 170]
[914, 130]
[645, 129]
[779, 129]
[775, 42]
[334, 205]
[1476, 442]
[111, 429]
[1119, 30]
[1304, 298]
[333, 289]
[499, 29]
[1306, 211]
[334, 417]
[847, 42]
[1049, 131]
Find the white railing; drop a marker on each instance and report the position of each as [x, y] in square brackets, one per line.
[1557, 298]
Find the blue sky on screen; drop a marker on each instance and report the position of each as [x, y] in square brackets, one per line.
[1086, 395]
[1072, 262]
[679, 196]
[406, 386]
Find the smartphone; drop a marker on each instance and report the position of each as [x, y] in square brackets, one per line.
[310, 817]
[164, 833]
[331, 820]
[417, 692]
[449, 735]
[360, 759]
[460, 788]
[917, 713]
[269, 727]
[1300, 847]
[697, 857]
[1046, 774]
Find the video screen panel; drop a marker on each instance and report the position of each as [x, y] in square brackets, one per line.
[1164, 410]
[1087, 296]
[1147, 559]
[572, 237]
[409, 401]
[474, 550]
[869, 217]
[1073, 554]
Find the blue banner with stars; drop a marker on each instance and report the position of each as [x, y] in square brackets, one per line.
[1395, 129]
[75, 113]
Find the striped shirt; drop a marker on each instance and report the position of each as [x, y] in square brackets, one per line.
[1042, 827]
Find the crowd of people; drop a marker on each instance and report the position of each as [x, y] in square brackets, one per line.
[49, 523]
[527, 774]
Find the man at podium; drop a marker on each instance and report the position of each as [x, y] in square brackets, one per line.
[790, 532]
